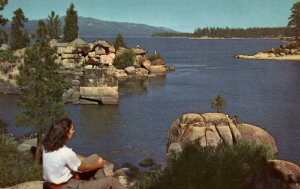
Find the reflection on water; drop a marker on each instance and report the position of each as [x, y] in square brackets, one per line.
[261, 92]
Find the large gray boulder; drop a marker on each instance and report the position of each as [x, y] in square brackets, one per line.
[211, 129]
[102, 95]
[208, 129]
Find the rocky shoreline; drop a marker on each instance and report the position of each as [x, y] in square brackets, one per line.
[288, 51]
[90, 71]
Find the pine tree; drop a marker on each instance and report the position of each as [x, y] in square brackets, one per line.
[71, 25]
[41, 86]
[19, 37]
[294, 20]
[54, 25]
[218, 103]
[3, 34]
[119, 42]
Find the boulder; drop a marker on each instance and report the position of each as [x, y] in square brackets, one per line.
[60, 50]
[208, 129]
[100, 51]
[258, 135]
[27, 145]
[120, 73]
[157, 62]
[104, 95]
[107, 59]
[141, 72]
[138, 60]
[92, 54]
[146, 64]
[69, 63]
[20, 52]
[99, 78]
[130, 70]
[288, 173]
[158, 70]
[28, 185]
[69, 49]
[138, 50]
[69, 56]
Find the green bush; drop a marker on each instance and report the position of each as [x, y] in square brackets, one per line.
[119, 42]
[124, 60]
[222, 167]
[153, 57]
[8, 55]
[16, 167]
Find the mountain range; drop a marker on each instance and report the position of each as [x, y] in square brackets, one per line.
[96, 27]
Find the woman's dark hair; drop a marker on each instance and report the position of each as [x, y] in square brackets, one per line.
[57, 135]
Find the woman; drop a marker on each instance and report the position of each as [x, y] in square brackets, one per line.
[60, 163]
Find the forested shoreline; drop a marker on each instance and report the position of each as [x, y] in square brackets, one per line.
[266, 32]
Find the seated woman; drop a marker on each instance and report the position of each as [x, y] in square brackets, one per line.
[60, 162]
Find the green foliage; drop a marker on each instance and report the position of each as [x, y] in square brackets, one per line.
[294, 19]
[220, 167]
[3, 34]
[53, 25]
[71, 25]
[16, 166]
[19, 37]
[218, 103]
[153, 57]
[232, 33]
[8, 55]
[124, 60]
[119, 42]
[41, 85]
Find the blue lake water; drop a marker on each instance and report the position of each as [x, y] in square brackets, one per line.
[261, 92]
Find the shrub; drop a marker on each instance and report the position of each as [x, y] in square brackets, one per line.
[218, 167]
[153, 57]
[8, 55]
[119, 42]
[16, 167]
[124, 60]
[218, 103]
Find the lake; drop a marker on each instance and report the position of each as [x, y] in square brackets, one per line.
[261, 92]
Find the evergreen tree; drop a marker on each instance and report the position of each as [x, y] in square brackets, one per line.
[19, 37]
[218, 103]
[42, 87]
[71, 25]
[54, 25]
[119, 42]
[3, 34]
[294, 20]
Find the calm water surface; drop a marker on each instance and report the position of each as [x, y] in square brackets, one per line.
[261, 92]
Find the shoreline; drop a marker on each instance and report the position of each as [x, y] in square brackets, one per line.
[267, 56]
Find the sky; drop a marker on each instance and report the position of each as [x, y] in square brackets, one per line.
[180, 15]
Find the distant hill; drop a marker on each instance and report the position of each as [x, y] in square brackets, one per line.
[95, 27]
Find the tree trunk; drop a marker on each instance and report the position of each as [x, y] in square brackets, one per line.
[38, 152]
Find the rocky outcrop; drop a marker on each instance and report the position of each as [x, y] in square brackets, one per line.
[102, 95]
[207, 129]
[285, 52]
[210, 129]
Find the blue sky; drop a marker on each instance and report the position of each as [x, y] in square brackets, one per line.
[180, 15]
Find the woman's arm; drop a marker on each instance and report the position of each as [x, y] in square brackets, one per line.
[85, 167]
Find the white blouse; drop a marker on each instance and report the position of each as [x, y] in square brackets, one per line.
[57, 165]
